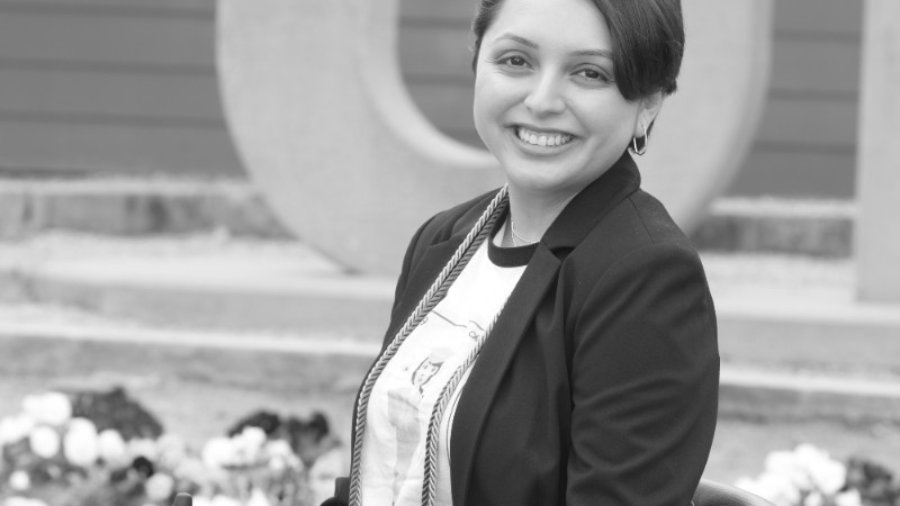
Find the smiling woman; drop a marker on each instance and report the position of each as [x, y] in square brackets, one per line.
[552, 342]
[548, 104]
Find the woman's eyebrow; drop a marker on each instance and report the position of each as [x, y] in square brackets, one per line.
[602, 53]
[519, 39]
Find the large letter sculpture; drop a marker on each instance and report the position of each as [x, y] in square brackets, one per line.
[317, 106]
[878, 167]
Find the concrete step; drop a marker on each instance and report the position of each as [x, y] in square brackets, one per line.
[202, 281]
[134, 207]
[74, 344]
[801, 313]
[774, 310]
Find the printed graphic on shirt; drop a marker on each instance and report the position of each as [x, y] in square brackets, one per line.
[404, 404]
[405, 394]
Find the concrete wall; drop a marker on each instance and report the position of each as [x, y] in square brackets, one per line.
[128, 86]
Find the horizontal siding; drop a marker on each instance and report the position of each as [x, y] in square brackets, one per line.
[829, 17]
[105, 146]
[177, 8]
[808, 122]
[155, 96]
[448, 104]
[126, 40]
[807, 140]
[770, 171]
[435, 52]
[124, 86]
[827, 68]
[458, 12]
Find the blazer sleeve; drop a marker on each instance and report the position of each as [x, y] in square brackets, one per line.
[644, 377]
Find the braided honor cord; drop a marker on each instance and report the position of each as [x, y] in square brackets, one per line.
[442, 283]
[429, 483]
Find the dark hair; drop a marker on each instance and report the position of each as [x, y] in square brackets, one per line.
[647, 38]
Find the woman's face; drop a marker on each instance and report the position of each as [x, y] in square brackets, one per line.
[546, 104]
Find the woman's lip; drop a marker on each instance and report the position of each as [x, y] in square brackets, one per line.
[537, 149]
[542, 131]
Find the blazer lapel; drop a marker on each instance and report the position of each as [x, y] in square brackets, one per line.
[493, 360]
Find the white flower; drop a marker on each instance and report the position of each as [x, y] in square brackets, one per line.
[222, 500]
[81, 444]
[775, 487]
[814, 499]
[826, 474]
[787, 464]
[19, 481]
[848, 498]
[219, 452]
[112, 447]
[15, 428]
[201, 500]
[248, 445]
[171, 450]
[191, 469]
[23, 501]
[159, 487]
[279, 447]
[281, 456]
[51, 408]
[258, 498]
[44, 442]
[143, 448]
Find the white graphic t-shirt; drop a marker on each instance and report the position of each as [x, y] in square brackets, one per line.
[401, 403]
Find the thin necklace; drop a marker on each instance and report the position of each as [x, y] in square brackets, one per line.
[516, 238]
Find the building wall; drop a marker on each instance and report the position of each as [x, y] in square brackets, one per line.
[111, 86]
[129, 87]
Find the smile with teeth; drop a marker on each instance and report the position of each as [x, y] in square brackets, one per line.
[542, 139]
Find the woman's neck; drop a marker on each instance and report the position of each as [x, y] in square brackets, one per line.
[531, 214]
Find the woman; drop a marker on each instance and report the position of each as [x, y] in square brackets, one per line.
[552, 343]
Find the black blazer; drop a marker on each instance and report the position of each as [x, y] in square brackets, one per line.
[599, 382]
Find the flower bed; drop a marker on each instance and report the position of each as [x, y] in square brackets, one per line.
[808, 476]
[105, 449]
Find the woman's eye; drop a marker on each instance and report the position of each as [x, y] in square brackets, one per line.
[513, 61]
[593, 75]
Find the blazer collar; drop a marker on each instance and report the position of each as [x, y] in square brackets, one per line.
[577, 218]
[591, 204]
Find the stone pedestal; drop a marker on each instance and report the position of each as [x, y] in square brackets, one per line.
[878, 166]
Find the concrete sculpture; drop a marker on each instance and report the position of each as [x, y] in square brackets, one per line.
[878, 167]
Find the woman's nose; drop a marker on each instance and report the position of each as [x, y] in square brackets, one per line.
[545, 96]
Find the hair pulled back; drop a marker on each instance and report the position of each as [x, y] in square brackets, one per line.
[647, 38]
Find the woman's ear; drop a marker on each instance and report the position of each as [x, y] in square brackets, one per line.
[649, 109]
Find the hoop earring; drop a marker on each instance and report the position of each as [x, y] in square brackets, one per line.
[639, 148]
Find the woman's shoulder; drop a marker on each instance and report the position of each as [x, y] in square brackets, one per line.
[637, 230]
